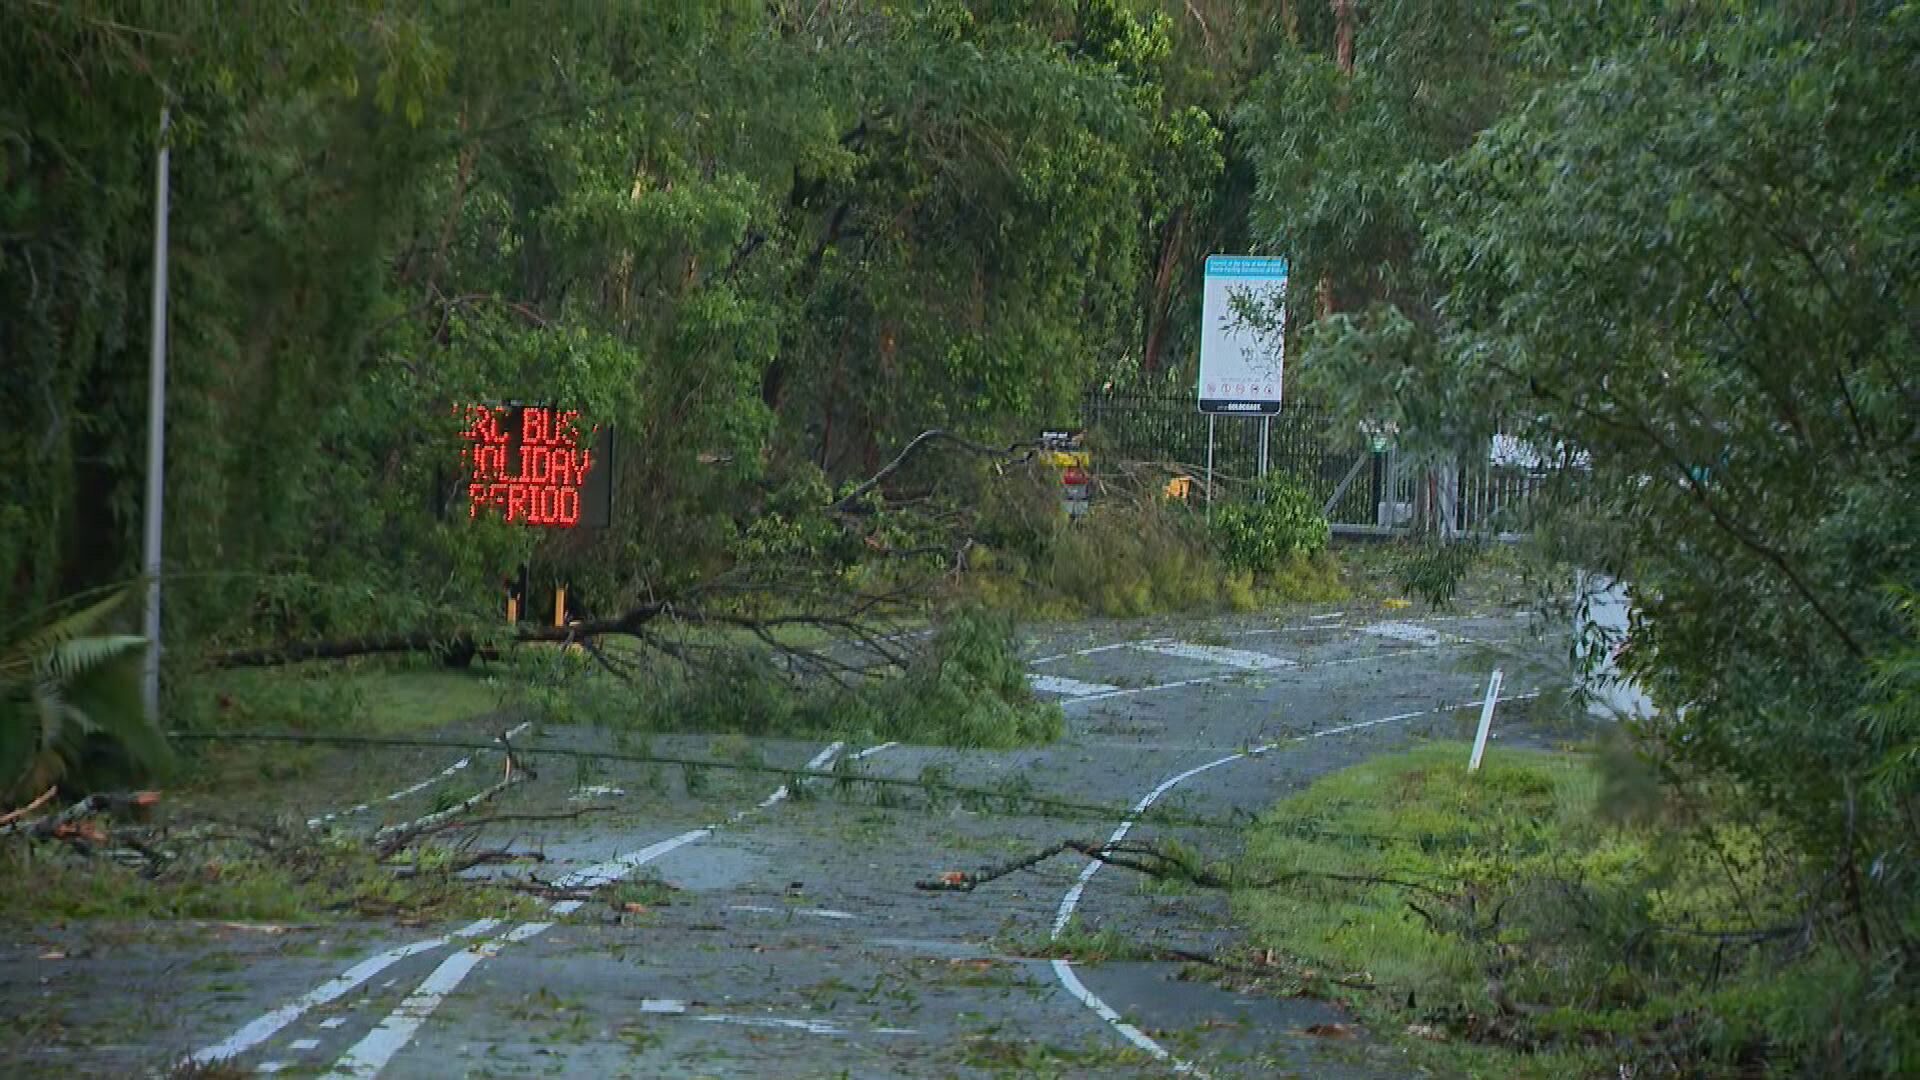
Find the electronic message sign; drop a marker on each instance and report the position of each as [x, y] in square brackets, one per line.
[530, 465]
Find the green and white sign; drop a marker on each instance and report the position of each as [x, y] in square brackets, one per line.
[1241, 362]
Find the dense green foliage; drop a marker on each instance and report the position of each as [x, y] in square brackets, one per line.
[763, 243]
[1675, 246]
[1273, 521]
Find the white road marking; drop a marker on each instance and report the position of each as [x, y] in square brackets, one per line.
[316, 822]
[825, 913]
[304, 1044]
[1096, 649]
[269, 1067]
[1217, 654]
[265, 1027]
[332, 1022]
[1146, 689]
[669, 1006]
[370, 1055]
[595, 790]
[1057, 684]
[1410, 632]
[1063, 970]
[814, 1027]
[813, 912]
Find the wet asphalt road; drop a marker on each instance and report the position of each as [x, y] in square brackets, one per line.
[789, 939]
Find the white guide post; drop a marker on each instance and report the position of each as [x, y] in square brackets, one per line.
[1486, 722]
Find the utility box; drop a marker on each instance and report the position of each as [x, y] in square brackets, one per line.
[1066, 451]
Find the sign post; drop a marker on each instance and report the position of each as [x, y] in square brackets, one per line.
[156, 428]
[1242, 344]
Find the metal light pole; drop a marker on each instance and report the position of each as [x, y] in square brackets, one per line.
[156, 424]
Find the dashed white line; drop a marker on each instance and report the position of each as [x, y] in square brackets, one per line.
[1410, 632]
[396, 796]
[371, 1054]
[1148, 689]
[304, 1044]
[1217, 654]
[1059, 684]
[813, 1027]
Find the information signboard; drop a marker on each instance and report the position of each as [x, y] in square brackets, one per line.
[1241, 364]
[530, 465]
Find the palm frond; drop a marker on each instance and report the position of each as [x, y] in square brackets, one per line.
[74, 657]
[78, 624]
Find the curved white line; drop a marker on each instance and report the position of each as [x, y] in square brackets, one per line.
[1063, 969]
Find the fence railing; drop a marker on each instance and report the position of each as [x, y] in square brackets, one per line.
[1386, 492]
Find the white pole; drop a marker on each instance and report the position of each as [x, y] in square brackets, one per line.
[1209, 468]
[1266, 425]
[1486, 722]
[156, 425]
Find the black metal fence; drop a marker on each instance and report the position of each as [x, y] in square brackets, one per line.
[1383, 491]
[1301, 443]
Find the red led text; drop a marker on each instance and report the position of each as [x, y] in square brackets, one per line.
[526, 463]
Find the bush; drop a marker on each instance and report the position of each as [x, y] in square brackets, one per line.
[968, 689]
[1275, 522]
[1135, 556]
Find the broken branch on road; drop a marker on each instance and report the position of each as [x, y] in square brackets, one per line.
[1161, 863]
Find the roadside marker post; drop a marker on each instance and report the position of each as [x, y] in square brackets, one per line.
[1486, 722]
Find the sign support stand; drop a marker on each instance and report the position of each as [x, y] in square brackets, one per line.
[156, 428]
[1209, 468]
[1266, 427]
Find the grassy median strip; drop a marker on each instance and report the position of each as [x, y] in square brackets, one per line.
[1515, 922]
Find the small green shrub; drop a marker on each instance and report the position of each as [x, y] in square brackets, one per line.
[1433, 571]
[968, 689]
[1276, 521]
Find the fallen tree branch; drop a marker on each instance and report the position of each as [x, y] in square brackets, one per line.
[93, 804]
[394, 838]
[15, 815]
[1157, 863]
[848, 501]
[495, 819]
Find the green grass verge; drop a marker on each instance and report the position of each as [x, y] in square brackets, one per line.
[1512, 923]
